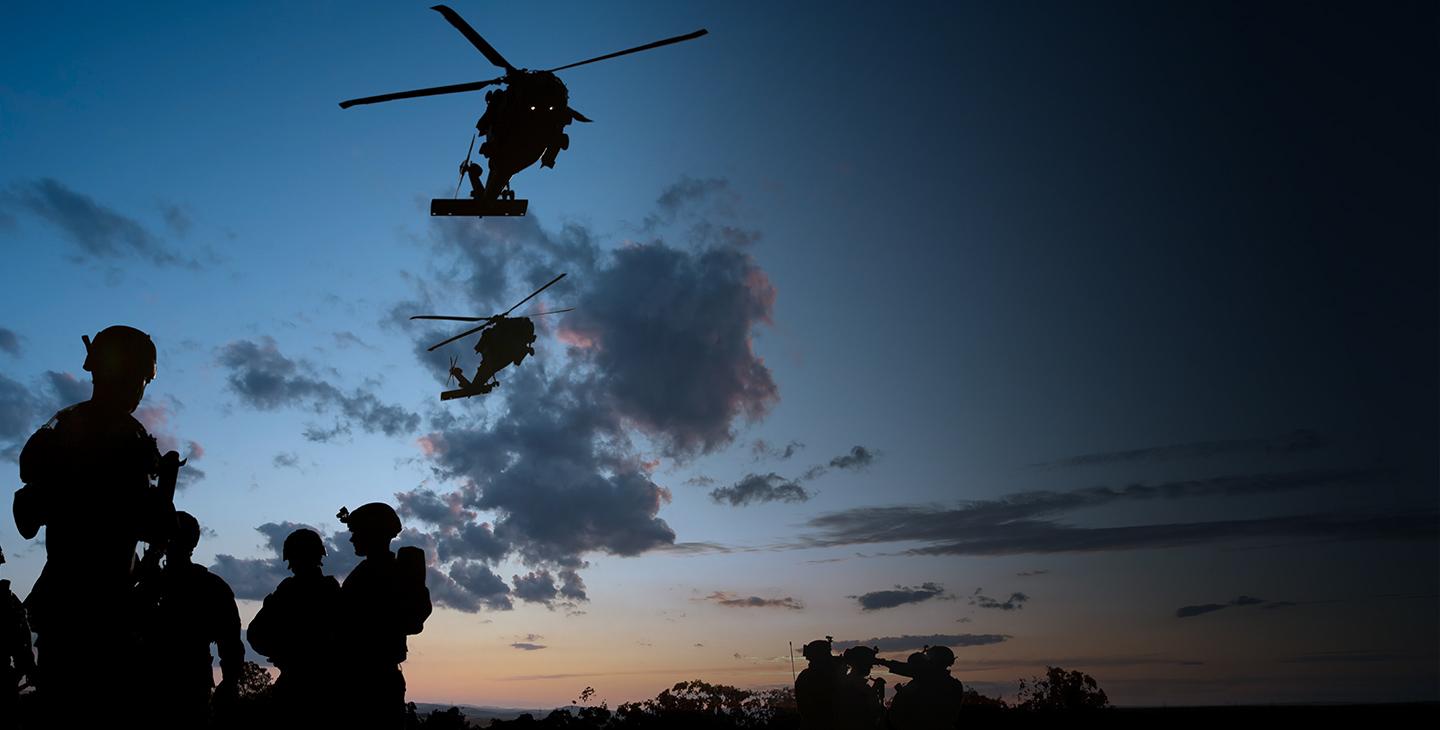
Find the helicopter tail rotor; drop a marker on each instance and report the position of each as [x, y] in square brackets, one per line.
[454, 362]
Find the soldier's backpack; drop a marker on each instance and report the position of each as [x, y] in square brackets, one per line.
[416, 602]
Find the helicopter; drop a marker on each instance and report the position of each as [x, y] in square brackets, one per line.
[523, 122]
[504, 340]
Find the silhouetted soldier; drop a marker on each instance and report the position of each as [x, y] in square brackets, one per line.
[858, 703]
[87, 480]
[383, 600]
[17, 659]
[296, 629]
[817, 687]
[931, 701]
[186, 608]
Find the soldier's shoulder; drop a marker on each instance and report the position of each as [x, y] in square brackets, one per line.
[214, 582]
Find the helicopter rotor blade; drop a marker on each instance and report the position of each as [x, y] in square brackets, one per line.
[432, 91]
[636, 49]
[466, 333]
[552, 311]
[475, 40]
[453, 319]
[532, 295]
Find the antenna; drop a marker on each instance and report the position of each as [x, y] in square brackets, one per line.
[792, 660]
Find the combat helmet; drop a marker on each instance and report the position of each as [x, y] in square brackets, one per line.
[376, 518]
[303, 545]
[120, 350]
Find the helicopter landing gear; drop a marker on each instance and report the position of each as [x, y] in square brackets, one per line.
[477, 208]
[467, 392]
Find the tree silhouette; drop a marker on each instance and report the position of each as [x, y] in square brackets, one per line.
[1061, 690]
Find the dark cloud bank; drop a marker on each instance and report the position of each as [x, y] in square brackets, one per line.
[915, 643]
[1295, 442]
[1031, 522]
[659, 348]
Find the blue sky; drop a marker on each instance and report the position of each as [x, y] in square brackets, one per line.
[1195, 244]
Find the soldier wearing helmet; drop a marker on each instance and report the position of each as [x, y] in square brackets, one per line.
[818, 685]
[932, 699]
[858, 703]
[296, 630]
[87, 476]
[185, 608]
[383, 600]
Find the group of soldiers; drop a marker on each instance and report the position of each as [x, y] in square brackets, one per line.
[130, 637]
[838, 691]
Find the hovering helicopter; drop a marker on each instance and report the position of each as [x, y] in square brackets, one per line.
[523, 122]
[504, 340]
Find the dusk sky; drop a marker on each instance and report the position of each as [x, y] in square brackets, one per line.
[1100, 335]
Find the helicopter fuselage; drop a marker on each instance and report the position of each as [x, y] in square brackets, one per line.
[521, 122]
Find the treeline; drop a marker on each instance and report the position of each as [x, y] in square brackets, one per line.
[699, 704]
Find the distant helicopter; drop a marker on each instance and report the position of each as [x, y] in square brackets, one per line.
[504, 340]
[523, 122]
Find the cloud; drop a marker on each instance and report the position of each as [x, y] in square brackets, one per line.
[346, 339]
[265, 379]
[731, 600]
[899, 596]
[177, 219]
[535, 587]
[689, 192]
[1204, 608]
[858, 458]
[286, 460]
[9, 342]
[1015, 602]
[448, 512]
[772, 487]
[474, 541]
[1295, 442]
[480, 582]
[527, 646]
[757, 488]
[760, 449]
[18, 413]
[915, 643]
[96, 231]
[1027, 522]
[1031, 573]
[67, 388]
[668, 332]
[249, 579]
[658, 352]
[155, 414]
